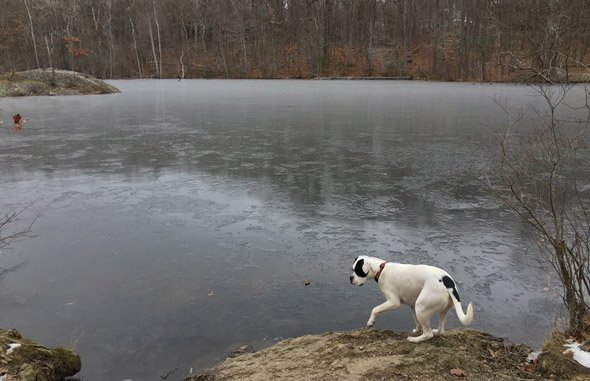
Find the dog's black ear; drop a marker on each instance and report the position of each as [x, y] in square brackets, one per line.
[358, 269]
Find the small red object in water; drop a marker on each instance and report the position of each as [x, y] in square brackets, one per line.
[18, 120]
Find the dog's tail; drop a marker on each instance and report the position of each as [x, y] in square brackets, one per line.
[465, 318]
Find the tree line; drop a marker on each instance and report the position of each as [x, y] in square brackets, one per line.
[431, 39]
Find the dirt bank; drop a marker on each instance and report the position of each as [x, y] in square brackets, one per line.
[24, 360]
[386, 355]
[51, 82]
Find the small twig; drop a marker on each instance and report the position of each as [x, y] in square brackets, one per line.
[11, 219]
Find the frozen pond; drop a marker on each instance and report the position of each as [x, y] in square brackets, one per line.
[181, 219]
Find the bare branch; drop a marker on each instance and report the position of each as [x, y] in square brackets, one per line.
[11, 228]
[534, 177]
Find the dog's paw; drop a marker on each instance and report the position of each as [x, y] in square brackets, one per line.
[370, 324]
[416, 330]
[435, 332]
[420, 338]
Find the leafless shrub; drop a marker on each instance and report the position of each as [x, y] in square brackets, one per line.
[535, 174]
[14, 227]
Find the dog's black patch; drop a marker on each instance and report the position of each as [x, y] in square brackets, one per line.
[358, 269]
[448, 282]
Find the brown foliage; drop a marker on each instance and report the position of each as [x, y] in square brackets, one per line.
[448, 40]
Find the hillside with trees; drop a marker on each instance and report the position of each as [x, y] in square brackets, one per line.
[484, 40]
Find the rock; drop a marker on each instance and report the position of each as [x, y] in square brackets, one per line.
[51, 82]
[554, 359]
[31, 361]
[164, 374]
[243, 349]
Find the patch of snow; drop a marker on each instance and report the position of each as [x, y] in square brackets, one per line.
[532, 357]
[582, 357]
[12, 347]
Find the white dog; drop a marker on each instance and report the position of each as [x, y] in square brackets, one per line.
[426, 289]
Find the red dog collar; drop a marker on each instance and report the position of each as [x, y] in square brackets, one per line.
[381, 267]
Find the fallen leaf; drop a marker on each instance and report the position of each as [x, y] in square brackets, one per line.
[210, 293]
[530, 367]
[458, 372]
[307, 282]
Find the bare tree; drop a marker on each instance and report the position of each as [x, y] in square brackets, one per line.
[441, 39]
[32, 34]
[159, 40]
[535, 176]
[136, 49]
[48, 52]
[158, 74]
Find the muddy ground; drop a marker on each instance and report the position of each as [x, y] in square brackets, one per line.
[370, 354]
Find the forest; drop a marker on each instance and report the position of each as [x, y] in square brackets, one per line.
[475, 40]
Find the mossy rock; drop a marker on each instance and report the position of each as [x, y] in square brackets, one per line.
[554, 362]
[51, 82]
[34, 362]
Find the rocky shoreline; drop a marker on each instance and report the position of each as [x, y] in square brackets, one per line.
[51, 82]
[363, 354]
[370, 354]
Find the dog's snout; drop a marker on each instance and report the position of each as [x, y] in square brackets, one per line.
[351, 278]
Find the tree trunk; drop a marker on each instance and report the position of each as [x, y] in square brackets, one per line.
[203, 50]
[32, 34]
[405, 25]
[326, 34]
[463, 46]
[181, 77]
[48, 52]
[159, 39]
[109, 7]
[136, 49]
[153, 48]
[371, 27]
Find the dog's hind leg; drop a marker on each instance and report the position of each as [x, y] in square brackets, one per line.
[427, 304]
[389, 304]
[423, 315]
[418, 328]
[443, 317]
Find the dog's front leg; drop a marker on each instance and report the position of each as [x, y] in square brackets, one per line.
[418, 326]
[387, 306]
